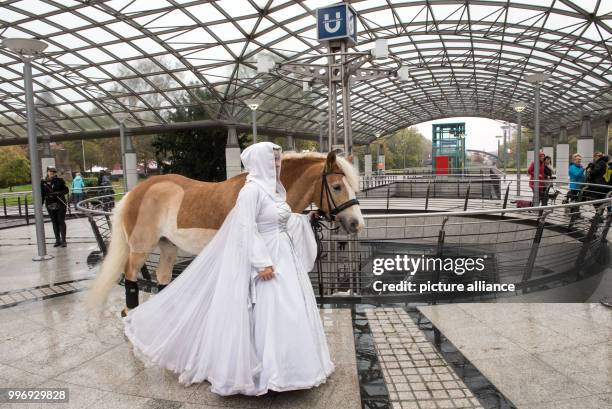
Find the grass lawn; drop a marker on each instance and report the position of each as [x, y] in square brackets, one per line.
[19, 188]
[12, 201]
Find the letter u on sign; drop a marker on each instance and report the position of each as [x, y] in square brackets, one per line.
[332, 26]
[337, 22]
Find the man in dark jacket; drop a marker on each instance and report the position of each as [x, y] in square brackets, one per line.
[54, 192]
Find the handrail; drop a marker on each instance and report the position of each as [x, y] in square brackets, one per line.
[86, 188]
[441, 213]
[80, 204]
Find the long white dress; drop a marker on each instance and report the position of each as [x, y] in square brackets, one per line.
[219, 322]
[289, 336]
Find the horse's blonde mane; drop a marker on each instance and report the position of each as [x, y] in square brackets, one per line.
[345, 166]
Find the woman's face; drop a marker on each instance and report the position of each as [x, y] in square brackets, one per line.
[277, 160]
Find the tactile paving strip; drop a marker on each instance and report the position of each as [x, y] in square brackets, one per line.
[417, 376]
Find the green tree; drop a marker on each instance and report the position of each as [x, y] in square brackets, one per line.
[406, 148]
[526, 136]
[195, 153]
[14, 166]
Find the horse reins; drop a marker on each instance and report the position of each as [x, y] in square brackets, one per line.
[317, 226]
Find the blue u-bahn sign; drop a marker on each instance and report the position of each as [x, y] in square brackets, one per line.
[337, 22]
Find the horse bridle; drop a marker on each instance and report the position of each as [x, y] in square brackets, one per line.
[330, 199]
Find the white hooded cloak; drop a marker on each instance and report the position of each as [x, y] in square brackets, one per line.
[200, 326]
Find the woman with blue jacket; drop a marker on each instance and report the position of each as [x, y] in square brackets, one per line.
[78, 186]
[576, 173]
[576, 176]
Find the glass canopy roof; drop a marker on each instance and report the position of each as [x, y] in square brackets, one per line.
[466, 58]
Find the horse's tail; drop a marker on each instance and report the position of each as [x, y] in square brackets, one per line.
[114, 261]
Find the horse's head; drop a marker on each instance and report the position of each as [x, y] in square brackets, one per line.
[335, 193]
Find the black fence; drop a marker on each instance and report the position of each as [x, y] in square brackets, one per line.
[531, 248]
[17, 208]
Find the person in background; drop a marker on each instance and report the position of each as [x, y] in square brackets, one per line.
[541, 178]
[78, 186]
[589, 167]
[106, 190]
[576, 176]
[595, 175]
[548, 169]
[54, 192]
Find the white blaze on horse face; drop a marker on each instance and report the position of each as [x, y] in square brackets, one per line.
[353, 212]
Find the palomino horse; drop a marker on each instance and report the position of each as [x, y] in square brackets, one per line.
[172, 212]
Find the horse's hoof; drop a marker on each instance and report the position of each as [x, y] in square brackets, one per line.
[124, 312]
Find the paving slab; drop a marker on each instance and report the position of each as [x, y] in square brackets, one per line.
[538, 355]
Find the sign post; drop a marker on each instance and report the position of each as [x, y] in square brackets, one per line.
[337, 28]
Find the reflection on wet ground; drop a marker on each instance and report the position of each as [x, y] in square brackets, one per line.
[373, 390]
[483, 389]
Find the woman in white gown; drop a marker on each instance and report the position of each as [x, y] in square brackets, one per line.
[243, 314]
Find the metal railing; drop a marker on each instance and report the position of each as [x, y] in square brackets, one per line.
[429, 171]
[369, 181]
[533, 248]
[17, 208]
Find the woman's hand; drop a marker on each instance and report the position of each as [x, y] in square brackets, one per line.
[267, 273]
[313, 215]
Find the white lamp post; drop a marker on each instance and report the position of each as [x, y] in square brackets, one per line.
[28, 49]
[499, 156]
[537, 79]
[121, 117]
[254, 103]
[518, 107]
[505, 129]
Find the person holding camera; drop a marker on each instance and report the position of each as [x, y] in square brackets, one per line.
[54, 191]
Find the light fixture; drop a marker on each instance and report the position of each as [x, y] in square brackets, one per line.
[380, 50]
[519, 106]
[27, 49]
[403, 74]
[253, 103]
[25, 46]
[265, 63]
[306, 86]
[537, 77]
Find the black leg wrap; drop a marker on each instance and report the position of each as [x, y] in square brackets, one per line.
[161, 287]
[131, 294]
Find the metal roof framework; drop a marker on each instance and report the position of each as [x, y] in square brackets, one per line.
[466, 58]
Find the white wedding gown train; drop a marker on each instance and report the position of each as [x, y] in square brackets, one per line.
[204, 325]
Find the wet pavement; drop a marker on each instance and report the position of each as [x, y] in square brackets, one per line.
[18, 246]
[51, 343]
[535, 355]
[538, 356]
[46, 339]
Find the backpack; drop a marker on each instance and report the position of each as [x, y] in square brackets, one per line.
[607, 176]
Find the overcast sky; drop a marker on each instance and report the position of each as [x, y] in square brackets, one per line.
[480, 132]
